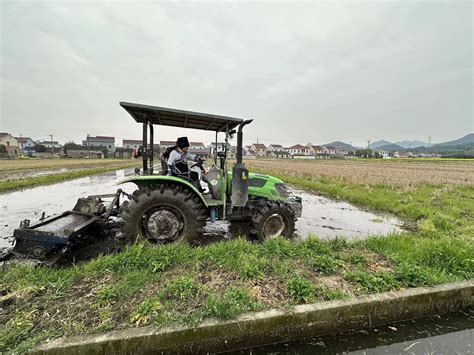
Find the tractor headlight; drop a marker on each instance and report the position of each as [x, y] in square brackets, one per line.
[282, 191]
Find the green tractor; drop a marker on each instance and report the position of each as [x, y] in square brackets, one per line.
[166, 209]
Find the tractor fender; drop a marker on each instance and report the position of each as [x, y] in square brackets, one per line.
[155, 179]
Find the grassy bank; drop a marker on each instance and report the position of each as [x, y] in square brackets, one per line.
[178, 284]
[51, 178]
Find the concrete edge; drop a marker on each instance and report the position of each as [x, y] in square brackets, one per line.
[272, 326]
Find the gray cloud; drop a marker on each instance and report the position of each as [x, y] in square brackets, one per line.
[305, 71]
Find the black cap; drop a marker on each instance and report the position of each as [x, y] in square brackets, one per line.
[182, 142]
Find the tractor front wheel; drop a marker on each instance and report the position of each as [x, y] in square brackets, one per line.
[272, 219]
[160, 215]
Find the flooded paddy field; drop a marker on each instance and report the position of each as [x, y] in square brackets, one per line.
[322, 217]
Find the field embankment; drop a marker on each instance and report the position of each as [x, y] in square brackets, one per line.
[23, 173]
[179, 284]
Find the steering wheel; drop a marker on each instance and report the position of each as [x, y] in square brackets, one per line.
[198, 164]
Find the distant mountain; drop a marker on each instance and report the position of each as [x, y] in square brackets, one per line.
[341, 145]
[391, 147]
[468, 139]
[378, 144]
[412, 144]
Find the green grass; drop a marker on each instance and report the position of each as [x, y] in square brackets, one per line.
[178, 284]
[52, 179]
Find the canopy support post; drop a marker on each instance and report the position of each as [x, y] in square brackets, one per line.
[145, 147]
[215, 151]
[151, 146]
[225, 173]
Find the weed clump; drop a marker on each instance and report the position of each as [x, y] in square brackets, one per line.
[376, 282]
[301, 290]
[231, 304]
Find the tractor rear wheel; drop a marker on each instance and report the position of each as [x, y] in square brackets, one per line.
[163, 214]
[272, 219]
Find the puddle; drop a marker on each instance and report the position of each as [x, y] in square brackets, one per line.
[329, 219]
[323, 217]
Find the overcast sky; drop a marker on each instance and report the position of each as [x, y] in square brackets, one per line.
[306, 72]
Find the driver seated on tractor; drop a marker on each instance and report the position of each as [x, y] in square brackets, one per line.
[177, 157]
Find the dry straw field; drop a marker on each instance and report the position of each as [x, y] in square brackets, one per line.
[374, 172]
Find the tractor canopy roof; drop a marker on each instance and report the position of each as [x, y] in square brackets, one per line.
[180, 118]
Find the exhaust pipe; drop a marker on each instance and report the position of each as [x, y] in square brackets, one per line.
[240, 143]
[240, 174]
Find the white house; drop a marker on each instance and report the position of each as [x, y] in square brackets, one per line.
[384, 154]
[275, 147]
[279, 154]
[298, 149]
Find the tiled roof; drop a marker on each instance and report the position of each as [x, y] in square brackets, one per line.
[22, 139]
[297, 146]
[259, 146]
[101, 139]
[171, 143]
[132, 141]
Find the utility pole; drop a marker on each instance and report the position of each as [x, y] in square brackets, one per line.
[88, 145]
[21, 144]
[368, 147]
[52, 147]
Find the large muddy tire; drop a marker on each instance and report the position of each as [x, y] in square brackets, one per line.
[165, 214]
[271, 219]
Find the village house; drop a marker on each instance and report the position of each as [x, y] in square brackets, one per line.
[384, 154]
[399, 154]
[275, 147]
[329, 149]
[11, 144]
[297, 149]
[27, 145]
[131, 143]
[259, 149]
[314, 149]
[103, 142]
[279, 154]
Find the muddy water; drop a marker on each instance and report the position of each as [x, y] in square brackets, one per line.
[329, 219]
[446, 334]
[321, 216]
